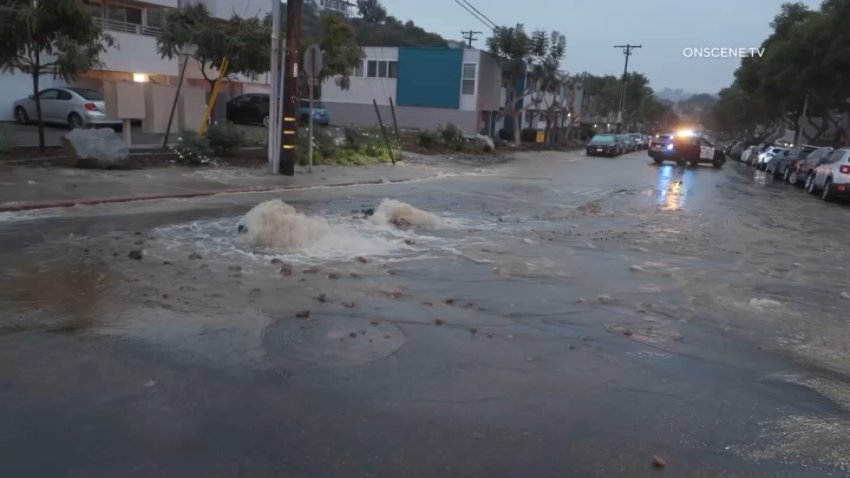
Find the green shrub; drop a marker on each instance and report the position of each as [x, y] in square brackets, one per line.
[225, 138]
[451, 134]
[428, 138]
[192, 148]
[7, 138]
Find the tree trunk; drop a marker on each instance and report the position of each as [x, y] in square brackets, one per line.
[846, 127]
[36, 70]
[517, 127]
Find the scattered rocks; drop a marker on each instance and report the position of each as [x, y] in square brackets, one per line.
[450, 302]
[581, 300]
[235, 268]
[311, 270]
[845, 295]
[354, 275]
[375, 322]
[428, 304]
[604, 299]
[195, 256]
[304, 314]
[333, 276]
[353, 335]
[135, 254]
[473, 330]
[658, 462]
[410, 242]
[362, 259]
[167, 263]
[286, 270]
[572, 347]
[349, 305]
[277, 261]
[322, 298]
[439, 322]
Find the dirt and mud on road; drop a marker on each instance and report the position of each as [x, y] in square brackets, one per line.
[556, 315]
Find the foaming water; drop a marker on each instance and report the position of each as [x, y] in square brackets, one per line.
[276, 229]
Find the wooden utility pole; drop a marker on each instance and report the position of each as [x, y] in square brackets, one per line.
[290, 87]
[470, 36]
[627, 50]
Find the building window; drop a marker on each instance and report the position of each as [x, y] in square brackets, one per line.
[468, 85]
[155, 17]
[358, 70]
[382, 69]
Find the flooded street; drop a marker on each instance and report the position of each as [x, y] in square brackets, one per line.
[556, 315]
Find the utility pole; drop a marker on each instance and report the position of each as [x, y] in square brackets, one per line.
[290, 87]
[627, 50]
[470, 36]
[274, 114]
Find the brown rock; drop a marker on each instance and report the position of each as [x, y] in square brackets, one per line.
[349, 305]
[277, 261]
[354, 275]
[473, 330]
[304, 314]
[333, 276]
[195, 256]
[658, 462]
[450, 302]
[439, 322]
[322, 298]
[362, 259]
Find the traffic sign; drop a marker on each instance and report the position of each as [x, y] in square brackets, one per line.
[313, 63]
[541, 136]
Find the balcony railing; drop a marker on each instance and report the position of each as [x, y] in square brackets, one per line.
[119, 26]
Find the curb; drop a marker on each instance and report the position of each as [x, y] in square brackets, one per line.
[7, 207]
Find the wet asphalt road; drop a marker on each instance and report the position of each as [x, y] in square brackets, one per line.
[575, 317]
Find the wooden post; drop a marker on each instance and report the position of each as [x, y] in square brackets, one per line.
[383, 131]
[395, 125]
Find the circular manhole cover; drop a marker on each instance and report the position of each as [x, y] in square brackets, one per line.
[332, 340]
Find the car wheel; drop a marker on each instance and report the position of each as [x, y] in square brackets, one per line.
[658, 160]
[810, 183]
[75, 121]
[694, 164]
[825, 195]
[681, 162]
[787, 176]
[266, 121]
[21, 115]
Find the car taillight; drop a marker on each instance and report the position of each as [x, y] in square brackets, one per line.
[844, 169]
[91, 106]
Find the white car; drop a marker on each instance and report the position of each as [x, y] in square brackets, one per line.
[71, 106]
[748, 153]
[763, 158]
[832, 178]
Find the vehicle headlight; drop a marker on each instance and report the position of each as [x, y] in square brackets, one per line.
[669, 147]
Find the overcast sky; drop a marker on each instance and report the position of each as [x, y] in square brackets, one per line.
[664, 28]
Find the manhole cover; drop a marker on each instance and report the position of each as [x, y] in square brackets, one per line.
[331, 340]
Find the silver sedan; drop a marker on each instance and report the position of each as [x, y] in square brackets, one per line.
[73, 107]
[832, 178]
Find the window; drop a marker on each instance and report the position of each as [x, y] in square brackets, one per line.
[836, 157]
[468, 85]
[155, 17]
[358, 70]
[49, 95]
[120, 13]
[91, 95]
[63, 95]
[382, 69]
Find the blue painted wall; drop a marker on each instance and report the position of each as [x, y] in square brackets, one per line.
[429, 77]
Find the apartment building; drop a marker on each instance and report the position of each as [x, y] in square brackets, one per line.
[429, 86]
[339, 6]
[135, 25]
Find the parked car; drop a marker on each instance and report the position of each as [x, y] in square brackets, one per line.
[832, 178]
[320, 114]
[69, 106]
[604, 145]
[637, 141]
[735, 150]
[779, 165]
[749, 153]
[253, 108]
[799, 169]
[626, 145]
[767, 155]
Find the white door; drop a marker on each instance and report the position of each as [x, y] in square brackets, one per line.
[49, 105]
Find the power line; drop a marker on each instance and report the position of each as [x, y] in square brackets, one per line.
[483, 22]
[470, 36]
[492, 23]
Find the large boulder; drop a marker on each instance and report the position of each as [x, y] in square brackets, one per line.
[96, 148]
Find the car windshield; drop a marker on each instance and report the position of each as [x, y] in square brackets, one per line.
[88, 94]
[603, 139]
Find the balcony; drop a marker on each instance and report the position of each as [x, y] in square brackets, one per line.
[124, 27]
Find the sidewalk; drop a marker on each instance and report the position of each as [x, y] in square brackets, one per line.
[28, 188]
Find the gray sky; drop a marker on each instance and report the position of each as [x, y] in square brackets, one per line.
[664, 28]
